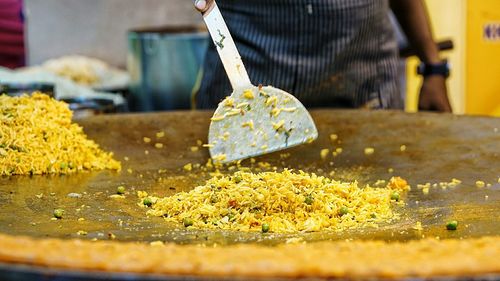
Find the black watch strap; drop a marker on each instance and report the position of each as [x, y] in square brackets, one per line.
[427, 69]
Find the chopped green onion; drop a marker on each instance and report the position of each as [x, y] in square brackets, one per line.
[343, 211]
[309, 200]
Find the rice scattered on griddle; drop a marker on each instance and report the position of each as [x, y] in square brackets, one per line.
[38, 137]
[286, 201]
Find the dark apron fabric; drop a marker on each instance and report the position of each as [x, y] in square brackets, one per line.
[328, 53]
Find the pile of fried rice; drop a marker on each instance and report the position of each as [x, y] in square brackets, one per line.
[37, 136]
[285, 202]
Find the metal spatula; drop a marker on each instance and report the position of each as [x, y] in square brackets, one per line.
[252, 120]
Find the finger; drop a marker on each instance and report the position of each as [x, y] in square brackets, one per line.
[446, 107]
[204, 6]
[436, 106]
[423, 104]
[201, 5]
[443, 104]
[427, 108]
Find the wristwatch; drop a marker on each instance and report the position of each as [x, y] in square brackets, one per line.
[427, 69]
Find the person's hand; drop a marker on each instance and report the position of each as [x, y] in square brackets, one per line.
[433, 94]
[203, 5]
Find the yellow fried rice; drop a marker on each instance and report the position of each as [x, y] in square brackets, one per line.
[38, 137]
[284, 202]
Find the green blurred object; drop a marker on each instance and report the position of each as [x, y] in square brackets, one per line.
[452, 225]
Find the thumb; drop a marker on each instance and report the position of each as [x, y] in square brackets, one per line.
[200, 5]
[203, 5]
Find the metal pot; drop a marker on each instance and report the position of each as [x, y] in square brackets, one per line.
[165, 65]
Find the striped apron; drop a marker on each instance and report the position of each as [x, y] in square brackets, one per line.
[328, 53]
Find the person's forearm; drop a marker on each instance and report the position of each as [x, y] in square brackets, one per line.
[413, 18]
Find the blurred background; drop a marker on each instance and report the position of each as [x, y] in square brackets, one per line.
[152, 50]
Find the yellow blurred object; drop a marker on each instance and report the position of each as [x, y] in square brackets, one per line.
[483, 58]
[496, 112]
[80, 69]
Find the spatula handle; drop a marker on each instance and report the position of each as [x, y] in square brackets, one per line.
[226, 48]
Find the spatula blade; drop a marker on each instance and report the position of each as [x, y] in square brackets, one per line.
[256, 121]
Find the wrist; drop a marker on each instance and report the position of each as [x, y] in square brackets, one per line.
[441, 68]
